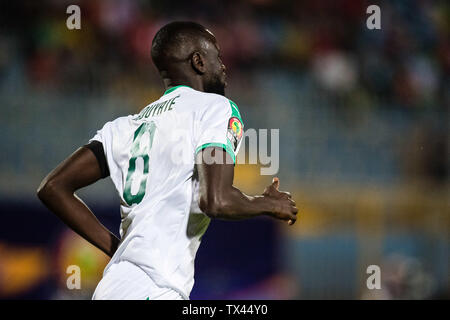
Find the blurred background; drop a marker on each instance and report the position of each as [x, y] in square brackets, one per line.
[363, 119]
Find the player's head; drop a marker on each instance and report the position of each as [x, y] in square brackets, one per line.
[188, 51]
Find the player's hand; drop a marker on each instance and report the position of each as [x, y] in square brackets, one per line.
[284, 207]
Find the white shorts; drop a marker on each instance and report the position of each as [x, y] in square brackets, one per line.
[126, 281]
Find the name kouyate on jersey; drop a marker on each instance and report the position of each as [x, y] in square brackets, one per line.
[151, 160]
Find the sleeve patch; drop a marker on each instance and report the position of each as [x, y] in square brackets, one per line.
[235, 130]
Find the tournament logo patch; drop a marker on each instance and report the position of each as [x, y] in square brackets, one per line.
[235, 131]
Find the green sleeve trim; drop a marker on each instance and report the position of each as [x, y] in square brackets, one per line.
[174, 88]
[227, 147]
[235, 110]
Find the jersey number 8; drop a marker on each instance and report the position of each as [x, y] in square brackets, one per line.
[139, 149]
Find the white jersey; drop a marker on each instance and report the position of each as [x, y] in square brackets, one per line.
[150, 157]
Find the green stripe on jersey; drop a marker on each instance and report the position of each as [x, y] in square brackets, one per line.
[227, 148]
[174, 88]
[235, 110]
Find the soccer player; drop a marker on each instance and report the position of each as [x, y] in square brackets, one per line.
[172, 165]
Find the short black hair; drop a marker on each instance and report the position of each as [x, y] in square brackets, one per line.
[170, 42]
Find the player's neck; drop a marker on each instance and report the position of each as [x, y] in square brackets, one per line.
[193, 83]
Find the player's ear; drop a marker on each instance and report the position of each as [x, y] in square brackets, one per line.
[198, 63]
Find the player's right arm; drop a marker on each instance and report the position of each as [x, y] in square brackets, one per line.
[57, 192]
[220, 199]
[219, 132]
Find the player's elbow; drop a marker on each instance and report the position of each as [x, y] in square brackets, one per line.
[47, 188]
[213, 206]
[208, 206]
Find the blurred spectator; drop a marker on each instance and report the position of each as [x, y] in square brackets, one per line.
[402, 278]
[407, 63]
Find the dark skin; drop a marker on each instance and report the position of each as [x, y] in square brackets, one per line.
[220, 199]
[202, 70]
[57, 192]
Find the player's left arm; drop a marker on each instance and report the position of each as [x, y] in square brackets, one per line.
[57, 192]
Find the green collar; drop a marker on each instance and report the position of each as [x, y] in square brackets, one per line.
[174, 88]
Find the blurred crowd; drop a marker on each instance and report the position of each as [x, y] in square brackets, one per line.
[406, 64]
[359, 111]
[381, 97]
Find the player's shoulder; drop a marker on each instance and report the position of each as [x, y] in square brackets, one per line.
[216, 99]
[218, 103]
[122, 120]
[118, 123]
